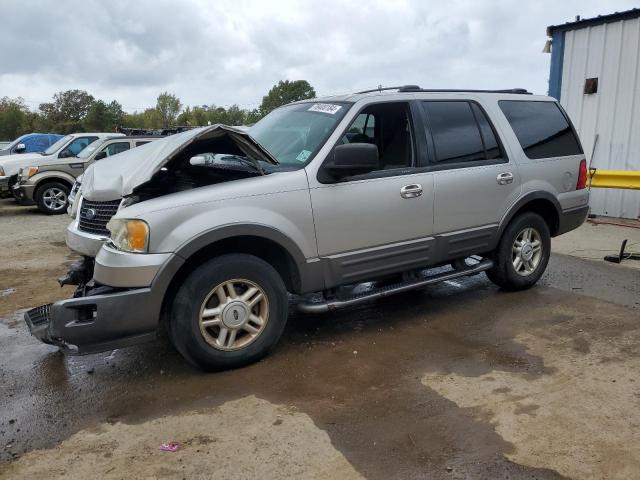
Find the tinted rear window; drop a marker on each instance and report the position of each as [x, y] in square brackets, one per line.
[542, 129]
[461, 132]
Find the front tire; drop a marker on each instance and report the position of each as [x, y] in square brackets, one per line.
[522, 254]
[52, 198]
[229, 312]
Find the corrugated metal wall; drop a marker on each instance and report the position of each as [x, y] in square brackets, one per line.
[610, 52]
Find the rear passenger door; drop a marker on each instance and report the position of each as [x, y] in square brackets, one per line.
[475, 181]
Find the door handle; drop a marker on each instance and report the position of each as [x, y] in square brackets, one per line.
[505, 178]
[411, 191]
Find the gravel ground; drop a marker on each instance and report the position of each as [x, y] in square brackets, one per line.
[455, 381]
[33, 255]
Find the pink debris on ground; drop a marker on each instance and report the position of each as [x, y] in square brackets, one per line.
[169, 447]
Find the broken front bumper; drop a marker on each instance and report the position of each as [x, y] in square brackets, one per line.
[5, 190]
[104, 317]
[23, 193]
[95, 323]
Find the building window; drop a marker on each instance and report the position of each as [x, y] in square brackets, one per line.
[591, 86]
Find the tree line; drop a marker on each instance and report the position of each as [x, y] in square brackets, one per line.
[78, 111]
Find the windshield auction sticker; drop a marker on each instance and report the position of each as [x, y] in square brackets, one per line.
[303, 155]
[325, 108]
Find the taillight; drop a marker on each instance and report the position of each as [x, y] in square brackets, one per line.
[582, 175]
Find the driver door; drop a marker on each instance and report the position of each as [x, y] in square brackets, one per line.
[380, 222]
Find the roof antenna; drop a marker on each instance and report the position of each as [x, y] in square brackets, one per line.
[577, 18]
[380, 87]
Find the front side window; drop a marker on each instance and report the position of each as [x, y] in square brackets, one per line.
[30, 144]
[41, 144]
[460, 132]
[541, 128]
[363, 128]
[79, 144]
[388, 126]
[294, 133]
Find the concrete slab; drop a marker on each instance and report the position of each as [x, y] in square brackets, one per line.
[592, 241]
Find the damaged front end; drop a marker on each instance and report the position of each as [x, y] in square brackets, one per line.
[80, 273]
[167, 166]
[78, 327]
[100, 317]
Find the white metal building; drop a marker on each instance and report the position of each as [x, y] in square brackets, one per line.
[595, 73]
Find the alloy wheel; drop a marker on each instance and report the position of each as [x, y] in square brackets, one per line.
[54, 198]
[234, 314]
[526, 252]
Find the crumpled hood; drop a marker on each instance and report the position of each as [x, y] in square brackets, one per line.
[12, 163]
[116, 177]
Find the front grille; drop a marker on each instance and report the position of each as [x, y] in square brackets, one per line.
[39, 315]
[95, 215]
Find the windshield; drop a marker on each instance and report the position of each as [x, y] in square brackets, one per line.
[89, 149]
[294, 133]
[57, 146]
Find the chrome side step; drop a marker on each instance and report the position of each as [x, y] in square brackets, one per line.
[309, 306]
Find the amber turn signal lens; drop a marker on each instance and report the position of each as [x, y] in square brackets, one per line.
[138, 232]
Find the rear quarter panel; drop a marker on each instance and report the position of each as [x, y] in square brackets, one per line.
[557, 175]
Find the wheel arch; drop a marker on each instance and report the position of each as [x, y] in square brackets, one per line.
[264, 242]
[542, 203]
[40, 182]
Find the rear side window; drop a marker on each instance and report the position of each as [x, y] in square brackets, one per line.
[461, 132]
[142, 143]
[542, 129]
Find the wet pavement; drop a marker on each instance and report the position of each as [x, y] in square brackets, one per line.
[459, 380]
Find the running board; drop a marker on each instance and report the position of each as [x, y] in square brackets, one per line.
[308, 306]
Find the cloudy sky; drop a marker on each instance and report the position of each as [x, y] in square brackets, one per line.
[223, 52]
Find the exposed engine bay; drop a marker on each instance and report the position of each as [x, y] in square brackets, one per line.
[220, 155]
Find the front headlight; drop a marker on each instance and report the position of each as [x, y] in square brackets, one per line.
[27, 172]
[130, 235]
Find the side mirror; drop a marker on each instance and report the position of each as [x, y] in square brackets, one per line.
[66, 154]
[352, 159]
[20, 148]
[101, 155]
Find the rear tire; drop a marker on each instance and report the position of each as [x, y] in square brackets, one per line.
[229, 312]
[52, 198]
[522, 254]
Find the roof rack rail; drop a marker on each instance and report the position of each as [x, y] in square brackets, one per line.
[416, 88]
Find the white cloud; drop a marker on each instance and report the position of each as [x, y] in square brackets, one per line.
[227, 52]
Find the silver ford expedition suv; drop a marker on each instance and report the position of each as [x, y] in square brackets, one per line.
[203, 234]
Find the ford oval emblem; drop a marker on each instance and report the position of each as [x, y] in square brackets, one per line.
[90, 214]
